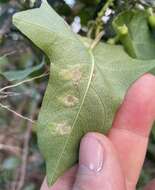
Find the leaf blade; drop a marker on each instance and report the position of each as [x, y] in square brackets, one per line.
[20, 74]
[82, 95]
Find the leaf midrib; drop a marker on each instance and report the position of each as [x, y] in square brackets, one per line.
[80, 108]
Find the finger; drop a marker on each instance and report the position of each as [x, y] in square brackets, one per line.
[150, 186]
[65, 182]
[132, 126]
[99, 167]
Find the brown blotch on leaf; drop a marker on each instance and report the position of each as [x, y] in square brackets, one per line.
[62, 129]
[73, 74]
[70, 100]
[76, 76]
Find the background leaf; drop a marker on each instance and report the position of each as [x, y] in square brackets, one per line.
[21, 74]
[3, 61]
[139, 41]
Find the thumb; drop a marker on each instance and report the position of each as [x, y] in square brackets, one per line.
[99, 167]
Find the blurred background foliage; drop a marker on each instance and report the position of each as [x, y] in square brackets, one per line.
[21, 62]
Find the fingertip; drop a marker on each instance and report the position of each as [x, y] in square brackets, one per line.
[142, 89]
[132, 125]
[88, 140]
[88, 144]
[92, 153]
[137, 111]
[98, 161]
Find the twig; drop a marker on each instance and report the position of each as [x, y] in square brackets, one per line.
[96, 41]
[98, 24]
[9, 53]
[24, 81]
[24, 157]
[17, 114]
[104, 8]
[9, 95]
[12, 94]
[11, 149]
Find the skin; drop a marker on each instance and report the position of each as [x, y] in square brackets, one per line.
[114, 161]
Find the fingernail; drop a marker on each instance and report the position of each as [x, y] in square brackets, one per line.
[91, 154]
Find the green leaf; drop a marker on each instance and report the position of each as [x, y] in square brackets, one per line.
[85, 88]
[92, 2]
[20, 74]
[11, 163]
[139, 41]
[3, 61]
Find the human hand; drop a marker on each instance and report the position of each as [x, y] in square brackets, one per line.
[114, 162]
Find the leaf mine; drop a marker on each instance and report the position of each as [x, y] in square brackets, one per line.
[61, 129]
[70, 100]
[73, 74]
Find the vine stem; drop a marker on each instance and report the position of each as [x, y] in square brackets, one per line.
[25, 154]
[17, 114]
[24, 81]
[97, 40]
[15, 85]
[101, 13]
[11, 149]
[104, 8]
